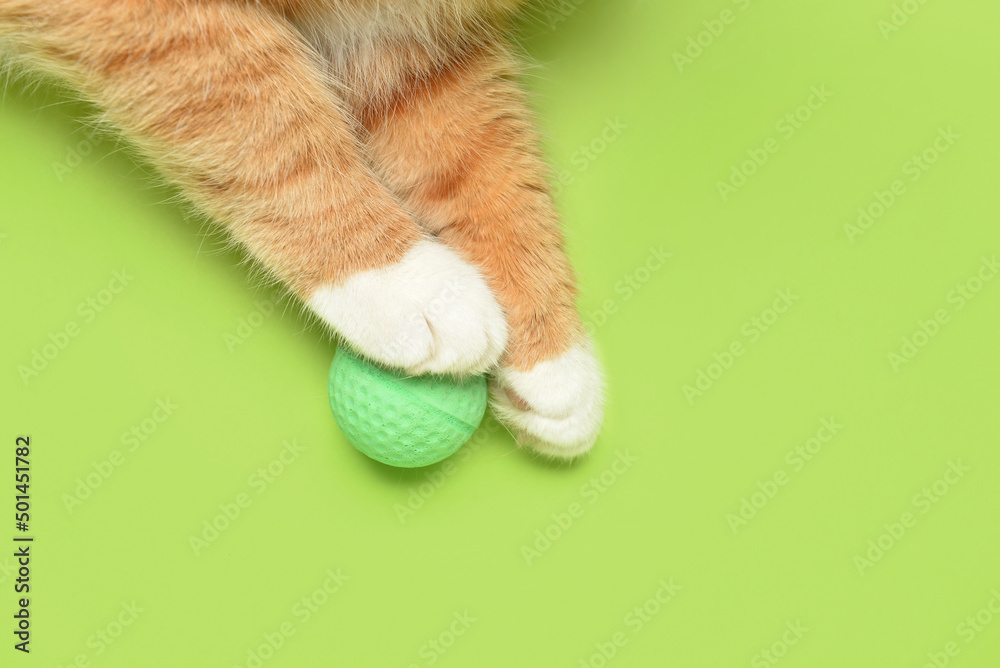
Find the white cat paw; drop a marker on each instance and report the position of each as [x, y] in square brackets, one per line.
[430, 313]
[556, 407]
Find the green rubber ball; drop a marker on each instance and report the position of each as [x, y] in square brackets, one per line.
[403, 421]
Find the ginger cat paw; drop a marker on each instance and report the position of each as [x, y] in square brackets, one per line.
[557, 406]
[430, 313]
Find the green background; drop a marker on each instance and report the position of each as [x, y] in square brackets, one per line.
[75, 209]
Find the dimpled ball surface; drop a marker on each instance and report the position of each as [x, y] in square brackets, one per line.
[403, 421]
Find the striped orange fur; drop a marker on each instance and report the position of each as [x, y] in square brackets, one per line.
[332, 138]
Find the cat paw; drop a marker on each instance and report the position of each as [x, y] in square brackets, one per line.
[430, 313]
[556, 407]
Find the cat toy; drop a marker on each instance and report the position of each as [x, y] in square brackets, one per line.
[399, 420]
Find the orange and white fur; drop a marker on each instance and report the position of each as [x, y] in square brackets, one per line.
[376, 156]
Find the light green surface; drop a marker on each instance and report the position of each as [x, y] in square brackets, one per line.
[402, 420]
[421, 547]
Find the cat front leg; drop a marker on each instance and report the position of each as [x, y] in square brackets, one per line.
[229, 102]
[457, 145]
